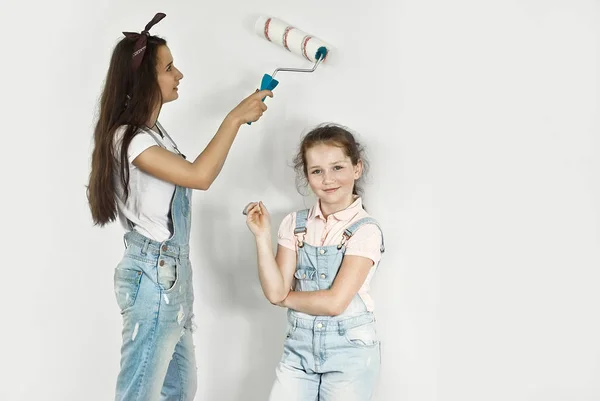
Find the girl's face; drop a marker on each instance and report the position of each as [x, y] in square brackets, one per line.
[167, 75]
[331, 175]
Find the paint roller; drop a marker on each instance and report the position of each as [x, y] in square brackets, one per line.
[295, 41]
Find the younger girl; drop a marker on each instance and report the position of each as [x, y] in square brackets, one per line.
[327, 255]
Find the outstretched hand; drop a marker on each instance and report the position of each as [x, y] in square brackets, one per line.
[258, 219]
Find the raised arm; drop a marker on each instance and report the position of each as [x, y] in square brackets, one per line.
[202, 172]
[276, 273]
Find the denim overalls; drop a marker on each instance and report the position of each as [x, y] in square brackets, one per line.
[327, 358]
[153, 286]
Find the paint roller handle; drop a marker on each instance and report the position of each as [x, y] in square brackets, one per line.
[268, 83]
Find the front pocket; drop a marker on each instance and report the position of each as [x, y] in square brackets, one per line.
[127, 285]
[364, 336]
[303, 273]
[167, 273]
[305, 279]
[290, 330]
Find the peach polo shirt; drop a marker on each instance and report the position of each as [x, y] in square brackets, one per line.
[321, 231]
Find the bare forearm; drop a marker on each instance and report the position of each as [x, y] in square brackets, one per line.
[317, 303]
[209, 163]
[269, 273]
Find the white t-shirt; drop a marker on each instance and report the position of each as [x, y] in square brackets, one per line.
[149, 201]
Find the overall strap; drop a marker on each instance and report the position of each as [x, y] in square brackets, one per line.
[348, 232]
[301, 217]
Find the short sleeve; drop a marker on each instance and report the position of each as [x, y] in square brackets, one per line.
[365, 242]
[138, 144]
[285, 234]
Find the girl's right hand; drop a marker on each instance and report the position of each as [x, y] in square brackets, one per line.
[250, 109]
[258, 219]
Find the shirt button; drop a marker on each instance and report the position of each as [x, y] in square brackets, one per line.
[162, 263]
[323, 275]
[322, 251]
[319, 325]
[304, 275]
[164, 248]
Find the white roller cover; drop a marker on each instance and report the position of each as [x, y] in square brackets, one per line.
[289, 37]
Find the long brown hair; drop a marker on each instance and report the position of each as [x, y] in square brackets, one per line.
[330, 134]
[128, 99]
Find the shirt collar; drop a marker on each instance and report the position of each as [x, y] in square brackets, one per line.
[342, 215]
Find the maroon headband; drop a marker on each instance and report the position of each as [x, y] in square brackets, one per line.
[141, 39]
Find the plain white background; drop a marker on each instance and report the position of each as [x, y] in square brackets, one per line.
[481, 125]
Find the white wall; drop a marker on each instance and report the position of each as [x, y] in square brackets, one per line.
[481, 122]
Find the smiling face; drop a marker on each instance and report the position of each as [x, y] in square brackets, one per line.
[331, 176]
[167, 75]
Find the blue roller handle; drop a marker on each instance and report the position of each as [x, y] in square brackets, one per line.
[267, 83]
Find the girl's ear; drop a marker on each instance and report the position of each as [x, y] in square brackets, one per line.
[358, 170]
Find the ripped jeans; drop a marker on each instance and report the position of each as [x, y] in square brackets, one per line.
[153, 288]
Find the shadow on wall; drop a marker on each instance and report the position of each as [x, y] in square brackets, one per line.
[229, 285]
